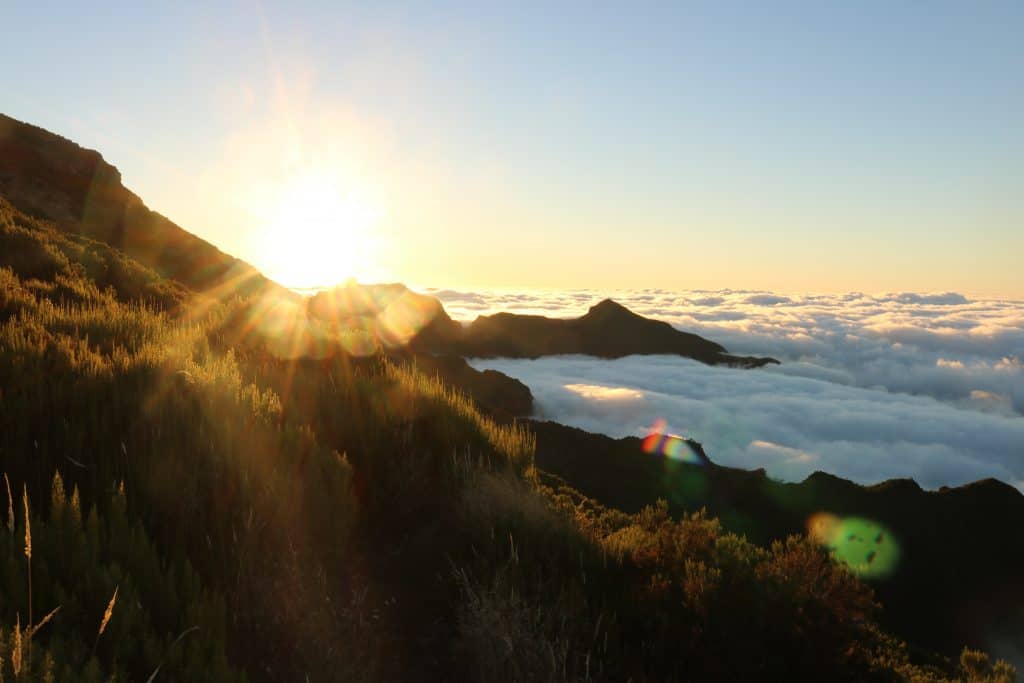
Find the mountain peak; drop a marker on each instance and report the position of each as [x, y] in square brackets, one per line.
[608, 307]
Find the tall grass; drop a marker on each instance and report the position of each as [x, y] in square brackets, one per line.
[514, 443]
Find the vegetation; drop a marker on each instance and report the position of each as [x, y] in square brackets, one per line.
[911, 544]
[197, 506]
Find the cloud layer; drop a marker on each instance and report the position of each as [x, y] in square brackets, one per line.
[967, 353]
[929, 386]
[789, 425]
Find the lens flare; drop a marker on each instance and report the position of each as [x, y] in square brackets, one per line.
[370, 317]
[672, 446]
[865, 546]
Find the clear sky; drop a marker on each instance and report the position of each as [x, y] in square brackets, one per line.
[787, 146]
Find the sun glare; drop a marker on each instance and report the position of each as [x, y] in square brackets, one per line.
[320, 232]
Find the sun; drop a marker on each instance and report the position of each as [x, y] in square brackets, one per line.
[320, 231]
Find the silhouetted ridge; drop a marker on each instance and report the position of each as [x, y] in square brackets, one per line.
[901, 486]
[825, 480]
[51, 177]
[607, 330]
[987, 492]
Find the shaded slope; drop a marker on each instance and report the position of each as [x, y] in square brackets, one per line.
[495, 393]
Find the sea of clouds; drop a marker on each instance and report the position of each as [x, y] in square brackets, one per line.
[929, 386]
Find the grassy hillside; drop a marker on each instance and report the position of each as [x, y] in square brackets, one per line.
[933, 542]
[201, 492]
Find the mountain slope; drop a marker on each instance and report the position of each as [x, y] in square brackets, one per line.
[51, 177]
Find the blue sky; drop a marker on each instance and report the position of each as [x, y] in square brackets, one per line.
[786, 146]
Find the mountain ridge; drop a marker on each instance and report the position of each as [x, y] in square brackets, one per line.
[50, 176]
[607, 330]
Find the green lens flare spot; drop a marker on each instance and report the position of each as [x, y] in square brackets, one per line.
[865, 546]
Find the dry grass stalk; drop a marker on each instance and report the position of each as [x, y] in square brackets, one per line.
[16, 655]
[28, 559]
[28, 527]
[10, 505]
[108, 613]
[106, 618]
[31, 630]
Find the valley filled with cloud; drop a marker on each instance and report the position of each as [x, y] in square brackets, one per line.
[929, 386]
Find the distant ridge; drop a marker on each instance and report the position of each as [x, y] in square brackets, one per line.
[607, 330]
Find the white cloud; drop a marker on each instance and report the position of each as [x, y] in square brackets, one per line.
[596, 392]
[791, 425]
[929, 386]
[941, 345]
